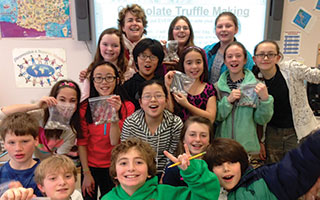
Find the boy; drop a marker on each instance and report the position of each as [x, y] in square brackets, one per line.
[19, 132]
[288, 179]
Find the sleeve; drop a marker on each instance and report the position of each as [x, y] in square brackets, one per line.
[83, 141]
[125, 133]
[224, 109]
[69, 139]
[126, 110]
[303, 72]
[263, 113]
[175, 134]
[297, 172]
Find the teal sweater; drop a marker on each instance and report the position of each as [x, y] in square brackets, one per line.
[203, 184]
[240, 122]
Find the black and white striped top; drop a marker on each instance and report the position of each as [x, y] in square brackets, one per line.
[166, 136]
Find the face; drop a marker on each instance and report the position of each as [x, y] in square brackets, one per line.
[228, 173]
[193, 64]
[225, 29]
[197, 137]
[153, 101]
[20, 148]
[147, 63]
[181, 32]
[69, 96]
[110, 48]
[132, 170]
[133, 27]
[58, 185]
[267, 62]
[104, 88]
[235, 59]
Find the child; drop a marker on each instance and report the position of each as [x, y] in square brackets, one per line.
[197, 133]
[239, 122]
[288, 179]
[20, 134]
[293, 118]
[201, 99]
[55, 176]
[133, 168]
[148, 55]
[226, 27]
[153, 123]
[96, 142]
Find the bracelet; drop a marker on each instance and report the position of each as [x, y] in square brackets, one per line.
[86, 170]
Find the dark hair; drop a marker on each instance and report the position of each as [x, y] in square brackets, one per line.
[153, 45]
[122, 59]
[171, 27]
[151, 82]
[223, 150]
[135, 10]
[74, 121]
[205, 73]
[19, 124]
[235, 43]
[231, 15]
[187, 123]
[144, 148]
[118, 90]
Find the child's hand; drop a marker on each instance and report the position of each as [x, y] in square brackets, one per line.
[312, 194]
[168, 78]
[83, 75]
[115, 101]
[87, 185]
[183, 158]
[234, 95]
[181, 99]
[45, 102]
[262, 91]
[19, 193]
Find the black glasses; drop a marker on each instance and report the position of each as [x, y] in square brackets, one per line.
[269, 55]
[108, 79]
[144, 57]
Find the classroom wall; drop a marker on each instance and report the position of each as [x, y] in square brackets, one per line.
[79, 57]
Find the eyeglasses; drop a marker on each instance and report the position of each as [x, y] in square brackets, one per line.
[148, 97]
[178, 28]
[269, 55]
[108, 79]
[144, 57]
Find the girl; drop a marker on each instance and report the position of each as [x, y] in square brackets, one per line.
[148, 55]
[293, 118]
[239, 122]
[197, 134]
[201, 99]
[136, 158]
[154, 124]
[110, 48]
[96, 142]
[226, 27]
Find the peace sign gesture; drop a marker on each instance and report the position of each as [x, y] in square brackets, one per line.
[183, 158]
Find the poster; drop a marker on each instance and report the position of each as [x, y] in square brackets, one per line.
[35, 18]
[304, 20]
[39, 68]
[291, 42]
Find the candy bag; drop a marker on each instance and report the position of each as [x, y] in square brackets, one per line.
[59, 116]
[171, 51]
[101, 111]
[249, 97]
[181, 83]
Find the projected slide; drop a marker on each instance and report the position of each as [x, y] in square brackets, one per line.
[201, 13]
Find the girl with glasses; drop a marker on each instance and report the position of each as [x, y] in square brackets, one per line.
[96, 142]
[293, 118]
[153, 123]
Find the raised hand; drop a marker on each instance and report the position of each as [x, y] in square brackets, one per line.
[47, 102]
[18, 193]
[83, 75]
[234, 95]
[183, 158]
[262, 91]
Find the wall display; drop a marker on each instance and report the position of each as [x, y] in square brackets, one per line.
[304, 20]
[38, 68]
[317, 6]
[291, 42]
[35, 18]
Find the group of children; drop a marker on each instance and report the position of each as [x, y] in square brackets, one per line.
[129, 69]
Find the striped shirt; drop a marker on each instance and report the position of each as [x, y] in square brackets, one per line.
[166, 136]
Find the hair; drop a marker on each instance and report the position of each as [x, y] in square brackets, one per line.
[236, 43]
[187, 123]
[54, 163]
[233, 18]
[153, 45]
[146, 151]
[172, 25]
[74, 121]
[151, 82]
[122, 59]
[205, 73]
[118, 90]
[20, 124]
[135, 10]
[223, 150]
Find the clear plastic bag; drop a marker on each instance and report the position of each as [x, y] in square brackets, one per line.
[101, 111]
[171, 51]
[181, 83]
[59, 116]
[249, 97]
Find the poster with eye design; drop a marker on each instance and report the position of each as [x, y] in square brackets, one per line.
[304, 20]
[39, 68]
